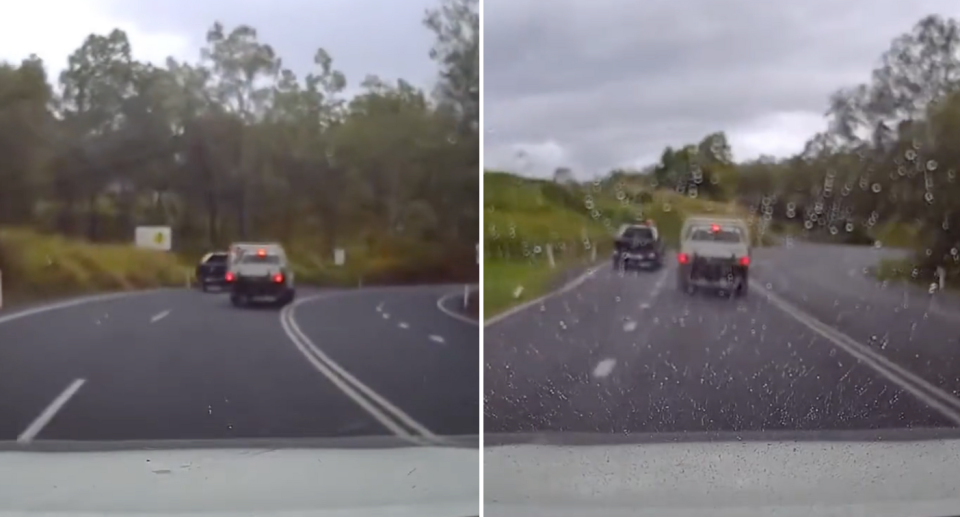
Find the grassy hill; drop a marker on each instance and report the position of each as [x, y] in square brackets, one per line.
[522, 216]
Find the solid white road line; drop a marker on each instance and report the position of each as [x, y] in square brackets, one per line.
[441, 304]
[377, 406]
[932, 396]
[569, 286]
[67, 304]
[159, 316]
[51, 411]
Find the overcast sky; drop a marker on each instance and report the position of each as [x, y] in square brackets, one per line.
[385, 37]
[603, 83]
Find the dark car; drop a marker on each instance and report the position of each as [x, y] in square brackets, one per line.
[638, 246]
[212, 270]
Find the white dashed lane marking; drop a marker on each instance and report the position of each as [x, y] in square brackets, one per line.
[436, 338]
[159, 316]
[604, 367]
[403, 325]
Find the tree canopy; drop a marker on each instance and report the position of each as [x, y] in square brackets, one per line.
[237, 146]
[888, 156]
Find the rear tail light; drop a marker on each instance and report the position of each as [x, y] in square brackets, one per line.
[745, 261]
[278, 278]
[229, 277]
[683, 258]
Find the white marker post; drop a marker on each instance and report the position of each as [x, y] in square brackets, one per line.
[550, 259]
[339, 256]
[1, 289]
[942, 277]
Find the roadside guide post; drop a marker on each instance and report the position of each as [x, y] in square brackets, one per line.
[1, 289]
[340, 258]
[466, 287]
[941, 277]
[550, 259]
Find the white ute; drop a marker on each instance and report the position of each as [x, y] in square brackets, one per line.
[259, 271]
[714, 254]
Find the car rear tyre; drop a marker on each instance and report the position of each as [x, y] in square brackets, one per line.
[743, 289]
[237, 300]
[204, 287]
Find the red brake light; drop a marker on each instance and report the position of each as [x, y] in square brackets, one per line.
[683, 258]
[745, 261]
[715, 228]
[228, 277]
[278, 278]
[261, 252]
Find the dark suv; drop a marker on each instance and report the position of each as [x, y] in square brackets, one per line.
[638, 245]
[212, 270]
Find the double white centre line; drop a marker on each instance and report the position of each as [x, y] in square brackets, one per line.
[382, 410]
[934, 397]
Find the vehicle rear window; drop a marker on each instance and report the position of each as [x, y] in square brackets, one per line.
[252, 258]
[217, 258]
[639, 233]
[727, 235]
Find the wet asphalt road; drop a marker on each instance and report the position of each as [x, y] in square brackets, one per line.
[816, 345]
[181, 364]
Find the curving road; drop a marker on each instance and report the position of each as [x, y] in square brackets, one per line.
[181, 364]
[816, 345]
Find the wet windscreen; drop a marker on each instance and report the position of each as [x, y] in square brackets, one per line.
[828, 307]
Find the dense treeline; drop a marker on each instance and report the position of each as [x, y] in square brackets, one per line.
[888, 158]
[236, 146]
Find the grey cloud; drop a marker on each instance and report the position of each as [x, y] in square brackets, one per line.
[382, 37]
[614, 81]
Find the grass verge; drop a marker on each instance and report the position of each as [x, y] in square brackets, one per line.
[37, 267]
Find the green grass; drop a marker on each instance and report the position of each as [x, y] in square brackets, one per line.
[501, 281]
[897, 235]
[37, 266]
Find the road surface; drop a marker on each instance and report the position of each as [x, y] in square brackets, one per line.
[181, 364]
[816, 345]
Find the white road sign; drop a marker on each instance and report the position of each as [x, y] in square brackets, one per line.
[339, 256]
[154, 237]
